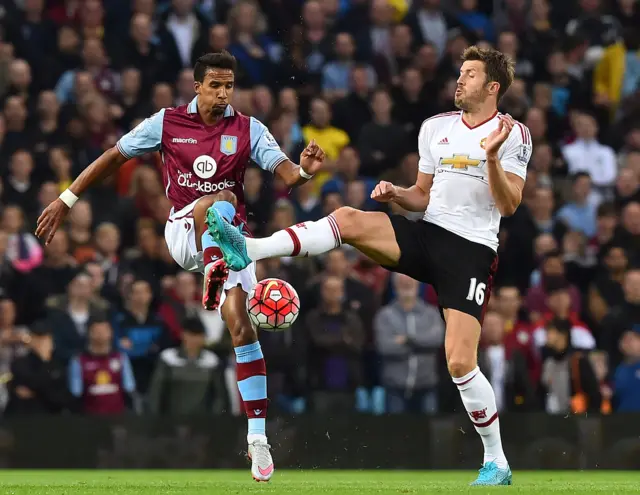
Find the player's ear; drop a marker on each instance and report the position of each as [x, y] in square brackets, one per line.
[494, 87]
[197, 85]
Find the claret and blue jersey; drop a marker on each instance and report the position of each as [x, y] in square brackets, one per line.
[201, 159]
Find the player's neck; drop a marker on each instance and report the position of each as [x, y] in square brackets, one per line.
[479, 116]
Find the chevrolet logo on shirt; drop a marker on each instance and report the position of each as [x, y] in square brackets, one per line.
[462, 162]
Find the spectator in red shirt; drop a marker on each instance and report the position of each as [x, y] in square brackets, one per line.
[101, 377]
[552, 267]
[518, 332]
[559, 303]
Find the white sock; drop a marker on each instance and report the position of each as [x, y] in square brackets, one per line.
[253, 437]
[480, 402]
[302, 239]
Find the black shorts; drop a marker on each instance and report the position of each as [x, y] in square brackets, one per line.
[460, 271]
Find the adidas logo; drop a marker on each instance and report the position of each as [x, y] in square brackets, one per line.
[444, 141]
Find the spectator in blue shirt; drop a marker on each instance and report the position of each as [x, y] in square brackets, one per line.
[336, 75]
[476, 22]
[140, 332]
[627, 375]
[580, 214]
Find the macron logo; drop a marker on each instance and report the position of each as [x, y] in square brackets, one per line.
[184, 141]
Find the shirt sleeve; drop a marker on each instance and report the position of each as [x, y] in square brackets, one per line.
[144, 138]
[427, 164]
[265, 150]
[128, 379]
[516, 151]
[75, 377]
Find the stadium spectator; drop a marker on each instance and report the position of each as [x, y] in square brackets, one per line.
[140, 332]
[568, 379]
[409, 335]
[506, 367]
[381, 143]
[330, 138]
[70, 313]
[23, 250]
[57, 270]
[95, 63]
[580, 214]
[255, 51]
[13, 340]
[629, 233]
[338, 263]
[558, 302]
[622, 317]
[336, 339]
[101, 377]
[19, 188]
[189, 379]
[627, 188]
[429, 25]
[38, 384]
[627, 374]
[518, 332]
[335, 74]
[606, 288]
[552, 270]
[139, 50]
[587, 154]
[615, 76]
[352, 112]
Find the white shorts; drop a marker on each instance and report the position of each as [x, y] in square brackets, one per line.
[180, 234]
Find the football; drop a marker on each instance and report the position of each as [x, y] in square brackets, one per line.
[273, 305]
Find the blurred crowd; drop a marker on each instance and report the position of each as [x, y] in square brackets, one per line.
[102, 321]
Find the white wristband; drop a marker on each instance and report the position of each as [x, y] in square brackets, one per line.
[68, 198]
[305, 175]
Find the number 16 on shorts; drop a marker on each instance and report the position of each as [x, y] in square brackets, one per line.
[476, 291]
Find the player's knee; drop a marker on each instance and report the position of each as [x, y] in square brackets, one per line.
[349, 222]
[460, 365]
[206, 201]
[226, 196]
[242, 333]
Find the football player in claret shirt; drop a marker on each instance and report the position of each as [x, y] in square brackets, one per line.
[205, 148]
[472, 169]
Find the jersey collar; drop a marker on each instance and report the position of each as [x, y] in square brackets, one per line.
[193, 108]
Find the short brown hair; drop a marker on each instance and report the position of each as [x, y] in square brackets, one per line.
[498, 66]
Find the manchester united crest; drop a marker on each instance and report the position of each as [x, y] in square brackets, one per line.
[483, 141]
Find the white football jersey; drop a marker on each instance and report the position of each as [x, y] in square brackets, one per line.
[460, 200]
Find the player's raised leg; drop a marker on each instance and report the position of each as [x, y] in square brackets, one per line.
[370, 232]
[215, 269]
[461, 348]
[252, 380]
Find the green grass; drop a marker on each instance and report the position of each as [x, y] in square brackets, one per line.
[305, 482]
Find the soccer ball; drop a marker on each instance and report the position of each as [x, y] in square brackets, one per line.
[273, 305]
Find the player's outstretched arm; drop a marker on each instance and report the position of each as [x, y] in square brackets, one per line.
[414, 198]
[144, 138]
[53, 215]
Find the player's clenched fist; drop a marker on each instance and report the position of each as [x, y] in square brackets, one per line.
[384, 192]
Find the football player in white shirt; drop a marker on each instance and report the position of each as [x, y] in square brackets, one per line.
[472, 170]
